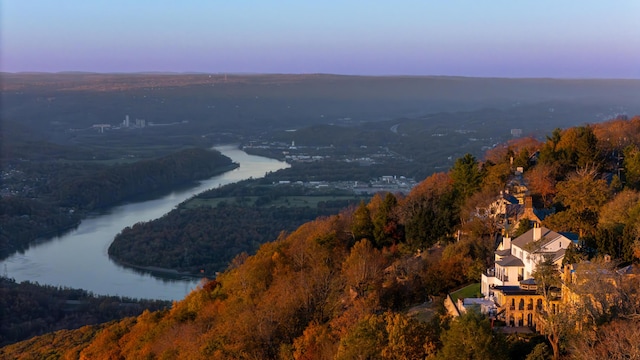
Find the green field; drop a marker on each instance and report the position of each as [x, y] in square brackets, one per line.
[471, 291]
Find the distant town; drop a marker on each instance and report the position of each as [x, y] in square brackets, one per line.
[392, 184]
[127, 123]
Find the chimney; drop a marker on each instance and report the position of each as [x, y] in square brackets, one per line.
[506, 243]
[528, 202]
[537, 232]
[567, 274]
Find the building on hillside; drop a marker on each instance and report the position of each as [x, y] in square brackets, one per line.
[597, 283]
[515, 260]
[507, 211]
[518, 187]
[515, 298]
[533, 214]
[500, 207]
[517, 212]
[518, 305]
[510, 284]
[584, 290]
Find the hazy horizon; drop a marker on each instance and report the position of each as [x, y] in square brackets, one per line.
[541, 39]
[177, 73]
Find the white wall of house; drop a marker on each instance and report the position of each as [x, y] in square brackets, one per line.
[527, 258]
[531, 259]
[511, 275]
[487, 283]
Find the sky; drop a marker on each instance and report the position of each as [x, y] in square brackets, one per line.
[480, 38]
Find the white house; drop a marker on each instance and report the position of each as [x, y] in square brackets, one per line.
[515, 260]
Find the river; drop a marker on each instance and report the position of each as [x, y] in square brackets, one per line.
[78, 259]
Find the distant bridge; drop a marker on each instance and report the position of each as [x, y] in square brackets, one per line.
[101, 127]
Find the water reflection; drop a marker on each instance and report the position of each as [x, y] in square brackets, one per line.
[79, 259]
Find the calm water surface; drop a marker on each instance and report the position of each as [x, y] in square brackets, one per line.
[79, 258]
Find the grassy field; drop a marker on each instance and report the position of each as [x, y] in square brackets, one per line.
[470, 291]
[121, 154]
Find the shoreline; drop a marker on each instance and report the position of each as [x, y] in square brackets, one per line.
[103, 274]
[12, 249]
[156, 271]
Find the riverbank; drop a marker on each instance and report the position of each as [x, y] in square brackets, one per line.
[156, 271]
[79, 259]
[45, 222]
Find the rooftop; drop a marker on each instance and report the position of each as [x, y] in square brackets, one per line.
[514, 290]
[510, 261]
[546, 234]
[505, 252]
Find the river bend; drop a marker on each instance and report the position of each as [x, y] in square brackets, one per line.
[78, 259]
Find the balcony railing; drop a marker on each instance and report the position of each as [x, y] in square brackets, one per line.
[490, 272]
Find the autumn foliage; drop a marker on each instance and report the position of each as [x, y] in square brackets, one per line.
[338, 287]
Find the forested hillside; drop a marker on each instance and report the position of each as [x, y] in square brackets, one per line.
[204, 240]
[29, 309]
[342, 286]
[52, 195]
[113, 184]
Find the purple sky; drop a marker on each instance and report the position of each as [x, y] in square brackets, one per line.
[561, 38]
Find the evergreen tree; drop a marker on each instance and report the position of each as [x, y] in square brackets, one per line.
[466, 176]
[386, 229]
[362, 226]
